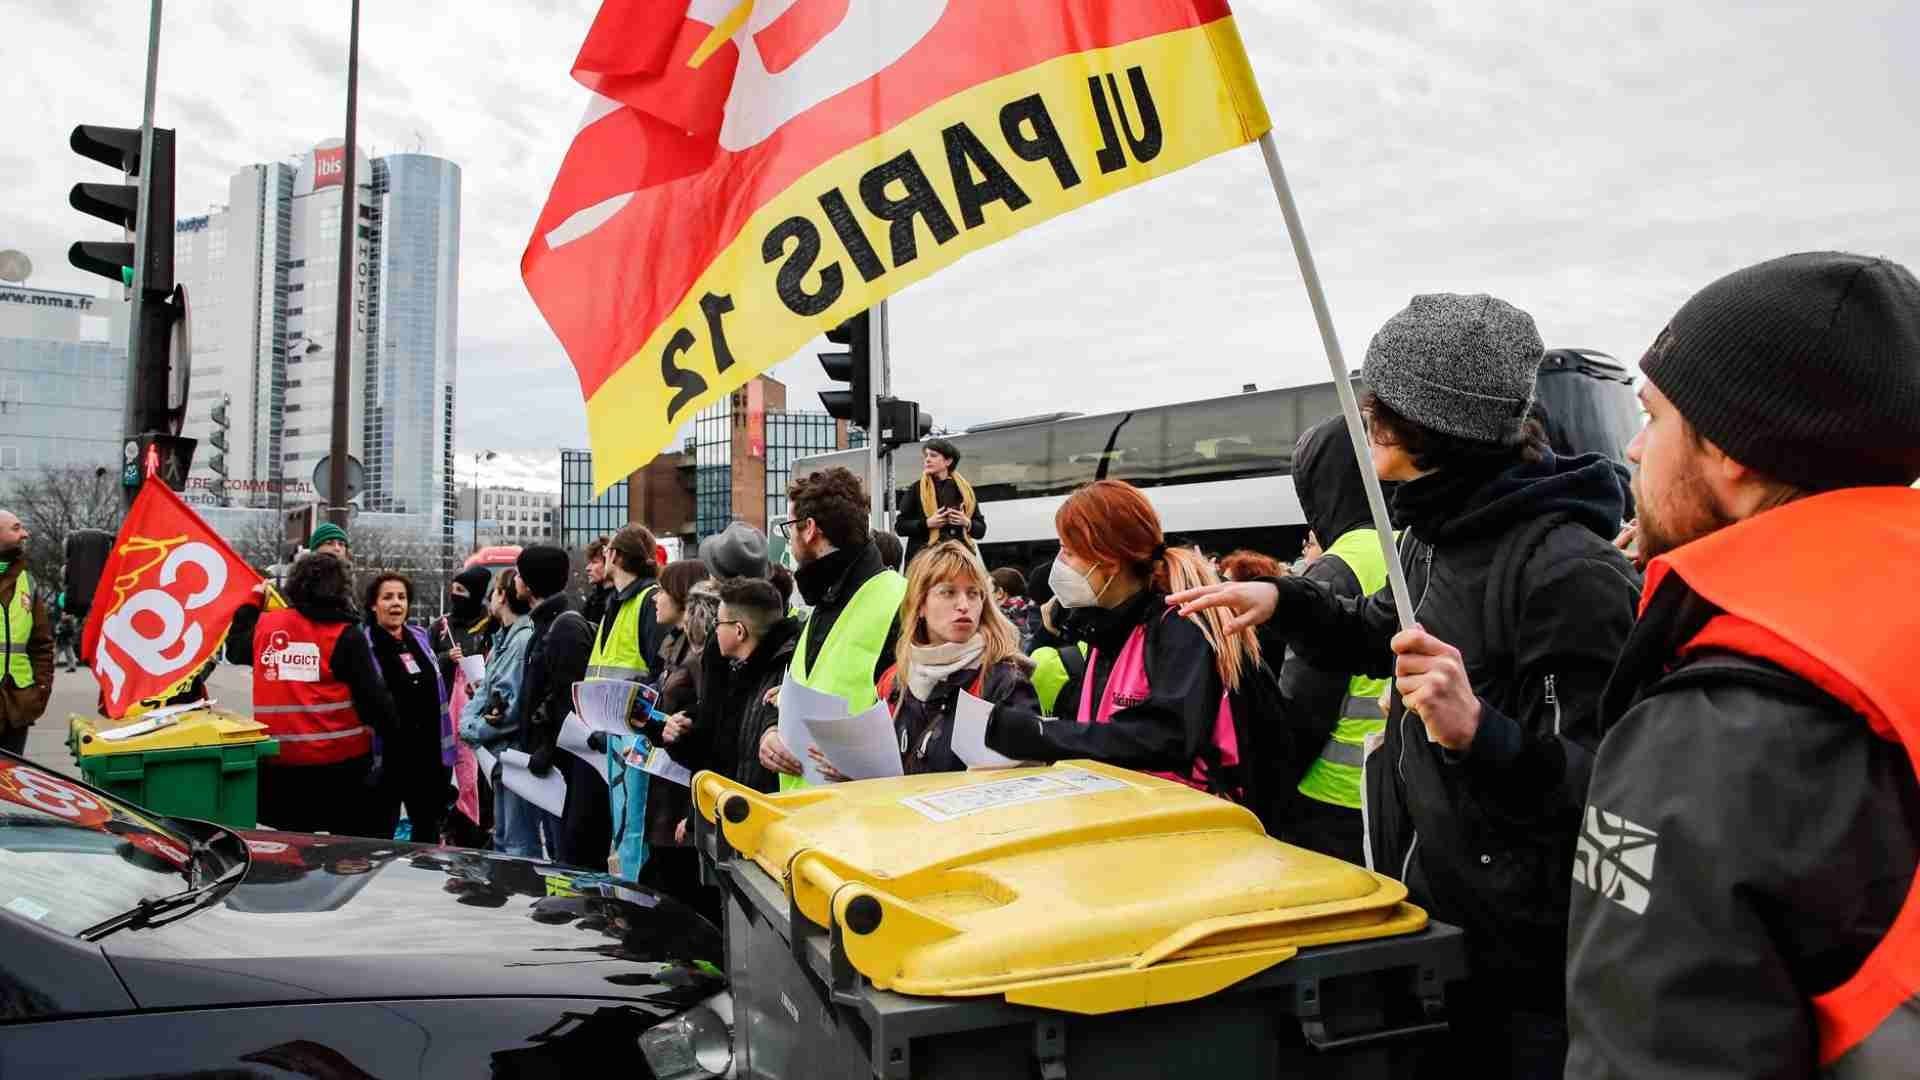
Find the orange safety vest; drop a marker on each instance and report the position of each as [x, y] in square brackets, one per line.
[1786, 600]
[297, 696]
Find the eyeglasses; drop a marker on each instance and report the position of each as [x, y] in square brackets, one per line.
[787, 526]
[734, 622]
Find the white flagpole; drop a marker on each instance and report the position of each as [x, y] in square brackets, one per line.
[1342, 383]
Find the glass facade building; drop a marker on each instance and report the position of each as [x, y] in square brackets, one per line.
[584, 516]
[791, 436]
[63, 380]
[743, 452]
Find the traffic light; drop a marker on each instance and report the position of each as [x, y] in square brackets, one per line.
[853, 367]
[902, 422]
[120, 204]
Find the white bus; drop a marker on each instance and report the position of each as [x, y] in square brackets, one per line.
[1219, 471]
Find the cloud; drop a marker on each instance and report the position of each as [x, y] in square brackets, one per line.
[1594, 164]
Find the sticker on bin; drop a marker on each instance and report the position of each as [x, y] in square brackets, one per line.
[1058, 783]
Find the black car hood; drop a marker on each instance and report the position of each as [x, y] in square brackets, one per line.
[325, 918]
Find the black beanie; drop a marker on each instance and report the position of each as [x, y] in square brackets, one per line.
[544, 568]
[1806, 368]
[475, 579]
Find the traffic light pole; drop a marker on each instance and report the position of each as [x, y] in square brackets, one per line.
[877, 491]
[147, 384]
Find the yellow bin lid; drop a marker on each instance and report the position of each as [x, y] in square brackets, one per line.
[201, 727]
[1079, 886]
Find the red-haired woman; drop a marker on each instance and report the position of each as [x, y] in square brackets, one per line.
[1155, 693]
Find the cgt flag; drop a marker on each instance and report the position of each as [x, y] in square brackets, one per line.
[164, 603]
[752, 172]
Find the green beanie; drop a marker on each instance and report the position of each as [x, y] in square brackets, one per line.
[327, 531]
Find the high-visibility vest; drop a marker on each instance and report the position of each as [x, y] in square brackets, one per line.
[617, 654]
[1335, 777]
[1050, 675]
[19, 627]
[851, 652]
[297, 695]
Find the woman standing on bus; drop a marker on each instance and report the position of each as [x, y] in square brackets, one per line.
[952, 638]
[1155, 694]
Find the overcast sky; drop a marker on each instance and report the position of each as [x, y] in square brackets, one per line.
[1594, 164]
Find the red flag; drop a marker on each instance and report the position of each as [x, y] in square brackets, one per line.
[165, 601]
[752, 172]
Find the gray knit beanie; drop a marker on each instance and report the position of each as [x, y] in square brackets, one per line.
[1462, 365]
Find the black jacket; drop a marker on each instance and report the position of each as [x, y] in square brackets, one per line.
[556, 659]
[828, 585]
[416, 703]
[734, 713]
[925, 728]
[1781, 835]
[911, 519]
[1164, 733]
[1485, 839]
[593, 606]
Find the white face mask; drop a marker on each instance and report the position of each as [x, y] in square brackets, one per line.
[1071, 587]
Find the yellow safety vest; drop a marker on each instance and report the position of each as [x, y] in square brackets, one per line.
[1336, 776]
[617, 655]
[1050, 676]
[19, 628]
[851, 652]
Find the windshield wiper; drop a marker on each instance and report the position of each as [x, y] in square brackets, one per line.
[145, 912]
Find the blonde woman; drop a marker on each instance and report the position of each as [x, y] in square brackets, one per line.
[953, 638]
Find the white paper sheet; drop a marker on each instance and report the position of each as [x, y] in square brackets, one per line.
[573, 739]
[486, 761]
[547, 792]
[605, 704]
[862, 747]
[970, 716]
[800, 708]
[659, 764]
[474, 667]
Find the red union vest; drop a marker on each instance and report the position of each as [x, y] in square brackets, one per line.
[296, 695]
[1783, 581]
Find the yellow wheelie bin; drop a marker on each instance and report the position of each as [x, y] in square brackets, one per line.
[1070, 920]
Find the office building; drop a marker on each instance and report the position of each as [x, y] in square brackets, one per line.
[738, 460]
[63, 380]
[584, 515]
[262, 273]
[507, 515]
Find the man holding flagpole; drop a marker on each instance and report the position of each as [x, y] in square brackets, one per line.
[1473, 797]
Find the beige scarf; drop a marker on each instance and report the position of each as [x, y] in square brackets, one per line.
[930, 505]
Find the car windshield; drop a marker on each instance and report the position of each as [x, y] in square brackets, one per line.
[71, 857]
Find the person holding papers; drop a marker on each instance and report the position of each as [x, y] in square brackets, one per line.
[556, 659]
[953, 639]
[756, 641]
[489, 719]
[1157, 693]
[849, 636]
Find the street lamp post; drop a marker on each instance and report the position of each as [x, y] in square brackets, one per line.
[479, 459]
[343, 338]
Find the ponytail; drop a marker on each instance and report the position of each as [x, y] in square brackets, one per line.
[1180, 569]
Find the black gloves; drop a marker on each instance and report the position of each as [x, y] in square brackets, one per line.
[597, 742]
[540, 762]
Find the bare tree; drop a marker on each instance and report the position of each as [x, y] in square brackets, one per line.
[423, 557]
[54, 502]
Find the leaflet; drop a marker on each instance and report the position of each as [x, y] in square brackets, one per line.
[970, 716]
[800, 708]
[605, 704]
[484, 757]
[659, 763]
[547, 792]
[861, 747]
[474, 667]
[573, 739]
